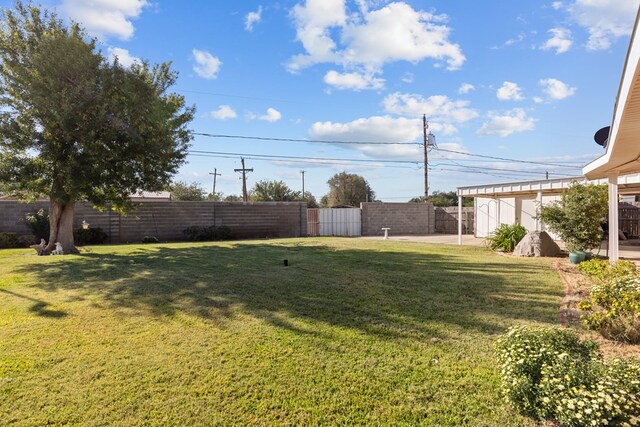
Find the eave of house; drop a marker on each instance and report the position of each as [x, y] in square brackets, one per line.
[622, 154]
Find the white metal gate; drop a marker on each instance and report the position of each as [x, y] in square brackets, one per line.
[340, 222]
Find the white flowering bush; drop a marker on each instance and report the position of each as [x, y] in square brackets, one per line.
[550, 374]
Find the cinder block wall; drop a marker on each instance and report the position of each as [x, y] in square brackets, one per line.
[167, 220]
[401, 218]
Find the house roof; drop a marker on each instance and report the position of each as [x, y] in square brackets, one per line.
[623, 150]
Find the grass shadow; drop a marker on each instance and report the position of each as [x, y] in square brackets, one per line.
[393, 291]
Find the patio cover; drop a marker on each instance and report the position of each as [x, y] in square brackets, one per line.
[622, 154]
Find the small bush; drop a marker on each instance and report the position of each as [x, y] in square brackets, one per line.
[150, 239]
[203, 234]
[613, 309]
[38, 223]
[9, 240]
[89, 236]
[603, 271]
[549, 374]
[506, 237]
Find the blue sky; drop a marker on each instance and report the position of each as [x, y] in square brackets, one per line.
[529, 79]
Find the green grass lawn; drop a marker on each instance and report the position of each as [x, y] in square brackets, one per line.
[353, 332]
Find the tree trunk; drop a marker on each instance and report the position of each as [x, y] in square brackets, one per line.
[61, 221]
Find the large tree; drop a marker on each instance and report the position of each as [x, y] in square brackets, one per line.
[180, 190]
[77, 127]
[443, 199]
[273, 191]
[348, 189]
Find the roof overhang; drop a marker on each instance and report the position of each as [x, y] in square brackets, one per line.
[627, 184]
[622, 155]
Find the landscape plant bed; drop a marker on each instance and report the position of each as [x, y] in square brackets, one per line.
[352, 332]
[576, 289]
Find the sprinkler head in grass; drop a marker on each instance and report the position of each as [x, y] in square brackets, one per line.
[286, 262]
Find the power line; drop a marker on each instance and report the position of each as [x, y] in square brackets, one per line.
[300, 157]
[301, 161]
[321, 141]
[507, 159]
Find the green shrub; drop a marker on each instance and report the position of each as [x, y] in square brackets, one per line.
[576, 219]
[550, 374]
[9, 240]
[203, 234]
[89, 236]
[38, 223]
[613, 309]
[506, 237]
[602, 270]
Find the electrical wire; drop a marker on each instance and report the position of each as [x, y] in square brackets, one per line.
[321, 141]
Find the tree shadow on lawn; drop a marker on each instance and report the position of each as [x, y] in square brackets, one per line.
[386, 293]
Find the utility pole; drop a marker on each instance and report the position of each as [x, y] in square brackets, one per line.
[244, 179]
[547, 175]
[215, 174]
[302, 172]
[425, 126]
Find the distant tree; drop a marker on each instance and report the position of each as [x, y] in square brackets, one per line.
[76, 126]
[215, 197]
[348, 189]
[308, 197]
[324, 201]
[443, 199]
[232, 198]
[180, 190]
[272, 191]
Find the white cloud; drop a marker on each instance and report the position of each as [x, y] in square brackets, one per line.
[407, 78]
[556, 5]
[355, 81]
[368, 39]
[537, 99]
[224, 112]
[272, 115]
[466, 88]
[373, 129]
[104, 17]
[605, 20]
[124, 57]
[252, 18]
[442, 112]
[510, 122]
[556, 89]
[207, 65]
[560, 40]
[509, 92]
[516, 40]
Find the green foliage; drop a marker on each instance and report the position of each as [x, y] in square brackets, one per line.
[232, 198]
[443, 199]
[309, 199]
[576, 219]
[38, 223]
[549, 374]
[9, 240]
[603, 271]
[613, 309]
[180, 190]
[506, 237]
[78, 127]
[202, 234]
[90, 236]
[348, 189]
[272, 191]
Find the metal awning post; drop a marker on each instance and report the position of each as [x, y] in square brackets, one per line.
[459, 220]
[613, 217]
